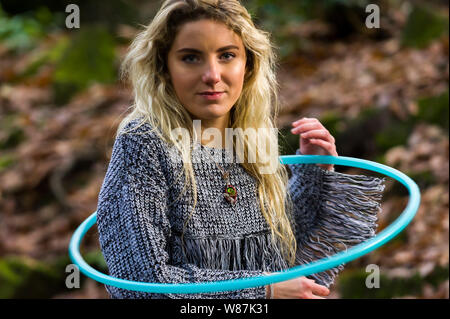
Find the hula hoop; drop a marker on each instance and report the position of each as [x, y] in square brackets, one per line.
[302, 270]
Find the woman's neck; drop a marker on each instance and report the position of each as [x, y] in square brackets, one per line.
[220, 124]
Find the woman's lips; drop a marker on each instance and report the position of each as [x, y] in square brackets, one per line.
[212, 96]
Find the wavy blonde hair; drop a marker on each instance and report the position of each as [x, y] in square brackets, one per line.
[156, 103]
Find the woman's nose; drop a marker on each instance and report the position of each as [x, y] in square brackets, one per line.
[211, 73]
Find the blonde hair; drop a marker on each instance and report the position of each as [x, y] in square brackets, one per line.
[257, 107]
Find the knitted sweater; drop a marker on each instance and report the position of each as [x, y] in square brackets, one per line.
[140, 219]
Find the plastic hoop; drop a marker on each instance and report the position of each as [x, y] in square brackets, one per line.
[303, 270]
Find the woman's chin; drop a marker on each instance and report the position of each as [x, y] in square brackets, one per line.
[213, 113]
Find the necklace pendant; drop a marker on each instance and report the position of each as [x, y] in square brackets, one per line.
[230, 194]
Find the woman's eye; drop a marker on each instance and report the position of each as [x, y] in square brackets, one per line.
[229, 54]
[187, 58]
[191, 58]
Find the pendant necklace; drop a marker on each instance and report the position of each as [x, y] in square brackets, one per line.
[230, 192]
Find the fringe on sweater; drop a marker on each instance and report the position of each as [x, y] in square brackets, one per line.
[347, 216]
[252, 252]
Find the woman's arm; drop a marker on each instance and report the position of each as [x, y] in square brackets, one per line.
[332, 212]
[134, 228]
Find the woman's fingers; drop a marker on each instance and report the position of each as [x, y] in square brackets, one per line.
[320, 134]
[305, 120]
[316, 297]
[320, 290]
[329, 147]
[304, 127]
[315, 139]
[312, 130]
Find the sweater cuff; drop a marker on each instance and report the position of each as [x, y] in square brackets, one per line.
[335, 211]
[297, 152]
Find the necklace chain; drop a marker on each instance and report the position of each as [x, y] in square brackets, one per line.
[230, 192]
[225, 174]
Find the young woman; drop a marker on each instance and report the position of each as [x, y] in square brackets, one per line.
[216, 205]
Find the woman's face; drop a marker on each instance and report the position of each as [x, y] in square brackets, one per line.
[206, 56]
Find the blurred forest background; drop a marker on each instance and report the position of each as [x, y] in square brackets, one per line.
[382, 92]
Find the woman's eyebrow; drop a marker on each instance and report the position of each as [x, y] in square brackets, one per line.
[228, 47]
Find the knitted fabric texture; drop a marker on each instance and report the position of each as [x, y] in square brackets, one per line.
[140, 219]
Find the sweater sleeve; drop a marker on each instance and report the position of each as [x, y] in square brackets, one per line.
[332, 212]
[134, 228]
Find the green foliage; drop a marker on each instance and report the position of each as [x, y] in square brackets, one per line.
[89, 58]
[401, 239]
[19, 32]
[423, 26]
[348, 132]
[435, 110]
[352, 284]
[332, 120]
[23, 277]
[423, 179]
[432, 110]
[6, 161]
[384, 130]
[393, 135]
[96, 260]
[47, 57]
[438, 275]
[22, 32]
[12, 135]
[26, 278]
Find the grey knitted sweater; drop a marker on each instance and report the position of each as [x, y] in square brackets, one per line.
[140, 220]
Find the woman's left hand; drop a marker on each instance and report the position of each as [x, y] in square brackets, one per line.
[314, 139]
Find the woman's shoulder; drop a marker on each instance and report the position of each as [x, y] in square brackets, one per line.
[139, 126]
[138, 130]
[138, 136]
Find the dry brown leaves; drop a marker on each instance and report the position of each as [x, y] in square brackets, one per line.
[59, 141]
[427, 236]
[359, 75]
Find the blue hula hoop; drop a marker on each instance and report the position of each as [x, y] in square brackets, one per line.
[303, 270]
